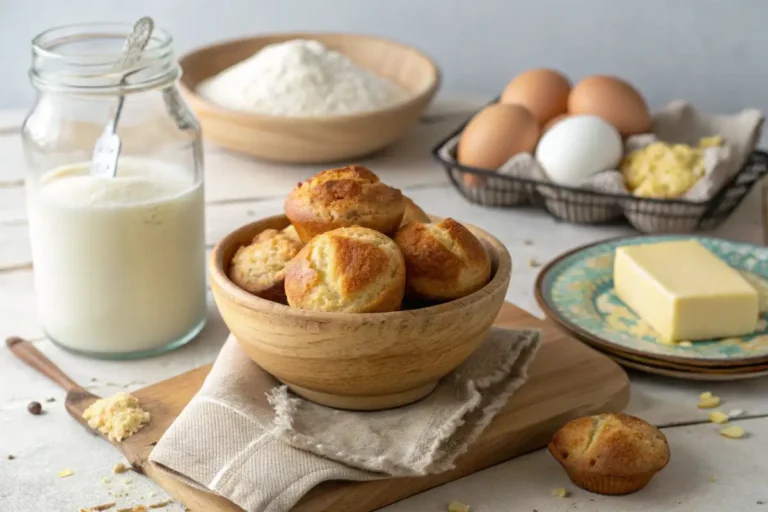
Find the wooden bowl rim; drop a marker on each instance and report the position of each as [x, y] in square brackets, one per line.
[411, 101]
[243, 298]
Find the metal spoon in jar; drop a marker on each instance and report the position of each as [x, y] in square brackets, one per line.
[107, 149]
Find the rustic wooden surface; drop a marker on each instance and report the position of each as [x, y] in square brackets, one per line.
[567, 380]
[239, 190]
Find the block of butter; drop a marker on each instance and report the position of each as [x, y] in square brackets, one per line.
[684, 291]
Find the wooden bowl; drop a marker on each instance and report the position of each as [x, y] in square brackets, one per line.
[313, 139]
[361, 361]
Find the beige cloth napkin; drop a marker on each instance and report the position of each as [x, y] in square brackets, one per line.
[245, 437]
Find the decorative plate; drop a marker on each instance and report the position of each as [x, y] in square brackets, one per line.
[576, 291]
[680, 374]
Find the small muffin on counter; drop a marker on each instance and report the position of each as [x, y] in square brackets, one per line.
[413, 212]
[610, 453]
[259, 268]
[344, 197]
[350, 270]
[444, 261]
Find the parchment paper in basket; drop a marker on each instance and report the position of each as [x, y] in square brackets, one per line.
[679, 122]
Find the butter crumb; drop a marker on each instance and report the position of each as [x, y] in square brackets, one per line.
[65, 473]
[560, 492]
[117, 417]
[533, 263]
[718, 417]
[457, 506]
[708, 401]
[119, 468]
[733, 432]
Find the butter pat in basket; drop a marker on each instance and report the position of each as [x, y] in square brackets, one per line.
[684, 291]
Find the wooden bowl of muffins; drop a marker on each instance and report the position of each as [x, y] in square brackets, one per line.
[355, 298]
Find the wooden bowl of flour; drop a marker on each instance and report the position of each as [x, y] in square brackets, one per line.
[313, 139]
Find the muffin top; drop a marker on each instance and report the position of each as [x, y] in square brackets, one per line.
[443, 260]
[345, 196]
[611, 444]
[353, 270]
[261, 265]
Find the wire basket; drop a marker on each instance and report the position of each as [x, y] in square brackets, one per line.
[584, 206]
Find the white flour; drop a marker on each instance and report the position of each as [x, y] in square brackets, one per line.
[300, 78]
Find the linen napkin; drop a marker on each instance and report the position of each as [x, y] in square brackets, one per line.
[244, 436]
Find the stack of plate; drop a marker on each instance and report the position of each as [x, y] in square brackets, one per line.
[576, 292]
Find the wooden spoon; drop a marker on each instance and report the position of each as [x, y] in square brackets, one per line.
[78, 398]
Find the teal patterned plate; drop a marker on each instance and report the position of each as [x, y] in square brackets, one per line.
[576, 291]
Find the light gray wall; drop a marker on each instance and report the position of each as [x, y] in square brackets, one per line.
[711, 52]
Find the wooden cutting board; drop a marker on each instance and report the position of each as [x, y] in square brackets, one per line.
[567, 380]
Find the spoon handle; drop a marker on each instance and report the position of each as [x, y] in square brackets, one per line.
[25, 351]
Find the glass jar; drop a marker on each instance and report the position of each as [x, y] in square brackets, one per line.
[119, 262]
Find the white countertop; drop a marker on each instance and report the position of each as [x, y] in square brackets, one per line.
[239, 189]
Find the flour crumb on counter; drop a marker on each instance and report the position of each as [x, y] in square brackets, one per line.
[457, 506]
[117, 417]
[65, 473]
[733, 432]
[560, 492]
[718, 417]
[708, 401]
[119, 468]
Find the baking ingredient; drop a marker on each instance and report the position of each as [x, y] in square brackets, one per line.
[733, 413]
[718, 417]
[560, 492]
[64, 473]
[34, 408]
[613, 100]
[119, 262]
[684, 291]
[119, 468]
[117, 417]
[457, 506]
[578, 147]
[552, 122]
[300, 78]
[542, 91]
[496, 134]
[708, 402]
[11, 457]
[733, 432]
[665, 170]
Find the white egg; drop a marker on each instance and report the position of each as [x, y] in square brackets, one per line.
[578, 147]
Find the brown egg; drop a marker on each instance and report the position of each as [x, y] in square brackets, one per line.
[542, 91]
[613, 100]
[552, 122]
[494, 135]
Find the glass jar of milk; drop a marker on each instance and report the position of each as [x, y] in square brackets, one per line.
[119, 262]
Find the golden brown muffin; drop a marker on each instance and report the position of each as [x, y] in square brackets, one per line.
[610, 453]
[413, 212]
[348, 196]
[290, 231]
[259, 268]
[353, 270]
[444, 261]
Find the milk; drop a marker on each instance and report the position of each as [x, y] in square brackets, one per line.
[119, 262]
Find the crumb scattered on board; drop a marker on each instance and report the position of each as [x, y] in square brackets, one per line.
[65, 473]
[533, 263]
[11, 457]
[718, 417]
[117, 417]
[560, 492]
